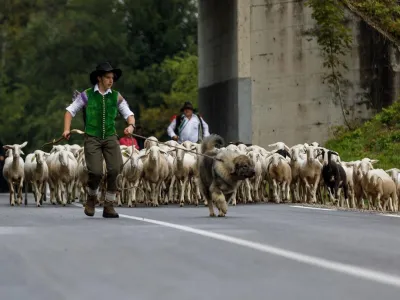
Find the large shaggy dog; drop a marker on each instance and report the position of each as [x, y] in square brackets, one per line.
[221, 175]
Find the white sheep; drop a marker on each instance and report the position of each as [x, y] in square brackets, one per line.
[378, 185]
[62, 171]
[310, 174]
[131, 174]
[256, 180]
[37, 173]
[184, 169]
[13, 170]
[155, 171]
[279, 176]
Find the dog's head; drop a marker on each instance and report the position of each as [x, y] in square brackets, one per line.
[244, 167]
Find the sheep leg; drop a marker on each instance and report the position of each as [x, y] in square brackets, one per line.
[352, 198]
[36, 192]
[52, 192]
[314, 191]
[189, 191]
[19, 191]
[287, 191]
[306, 190]
[388, 201]
[120, 195]
[12, 192]
[346, 195]
[129, 192]
[43, 192]
[134, 191]
[275, 191]
[378, 204]
[26, 193]
[248, 190]
[183, 187]
[64, 194]
[70, 191]
[256, 188]
[197, 190]
[155, 193]
[171, 189]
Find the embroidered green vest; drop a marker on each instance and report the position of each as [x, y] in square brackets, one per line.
[100, 113]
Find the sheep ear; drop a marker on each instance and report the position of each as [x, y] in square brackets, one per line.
[8, 147]
[374, 161]
[125, 154]
[23, 144]
[33, 158]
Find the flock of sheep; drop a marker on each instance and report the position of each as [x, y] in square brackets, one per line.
[163, 173]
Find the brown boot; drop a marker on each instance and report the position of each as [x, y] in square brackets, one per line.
[90, 204]
[109, 211]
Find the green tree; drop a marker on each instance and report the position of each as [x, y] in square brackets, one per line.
[182, 71]
[47, 48]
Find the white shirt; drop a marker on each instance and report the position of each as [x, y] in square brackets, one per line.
[190, 129]
[81, 100]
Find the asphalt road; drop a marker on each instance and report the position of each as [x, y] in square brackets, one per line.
[55, 252]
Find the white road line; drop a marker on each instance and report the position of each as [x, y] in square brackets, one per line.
[390, 215]
[315, 208]
[355, 271]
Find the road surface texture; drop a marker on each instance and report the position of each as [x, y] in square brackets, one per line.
[256, 252]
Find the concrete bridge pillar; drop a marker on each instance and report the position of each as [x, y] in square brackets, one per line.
[224, 67]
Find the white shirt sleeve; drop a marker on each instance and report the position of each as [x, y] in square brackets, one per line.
[171, 128]
[123, 108]
[76, 105]
[205, 127]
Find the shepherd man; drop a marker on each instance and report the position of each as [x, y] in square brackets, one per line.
[188, 126]
[100, 105]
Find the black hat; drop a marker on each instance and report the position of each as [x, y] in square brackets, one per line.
[187, 105]
[102, 68]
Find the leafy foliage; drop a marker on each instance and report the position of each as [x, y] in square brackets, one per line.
[334, 39]
[378, 138]
[182, 71]
[49, 47]
[386, 13]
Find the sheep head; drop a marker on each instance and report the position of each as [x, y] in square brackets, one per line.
[39, 156]
[154, 152]
[365, 166]
[254, 156]
[180, 152]
[64, 157]
[149, 142]
[16, 149]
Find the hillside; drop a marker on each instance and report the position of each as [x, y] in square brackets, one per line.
[378, 138]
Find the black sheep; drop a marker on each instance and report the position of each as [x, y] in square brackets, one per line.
[334, 176]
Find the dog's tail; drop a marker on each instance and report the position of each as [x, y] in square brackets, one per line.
[211, 142]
